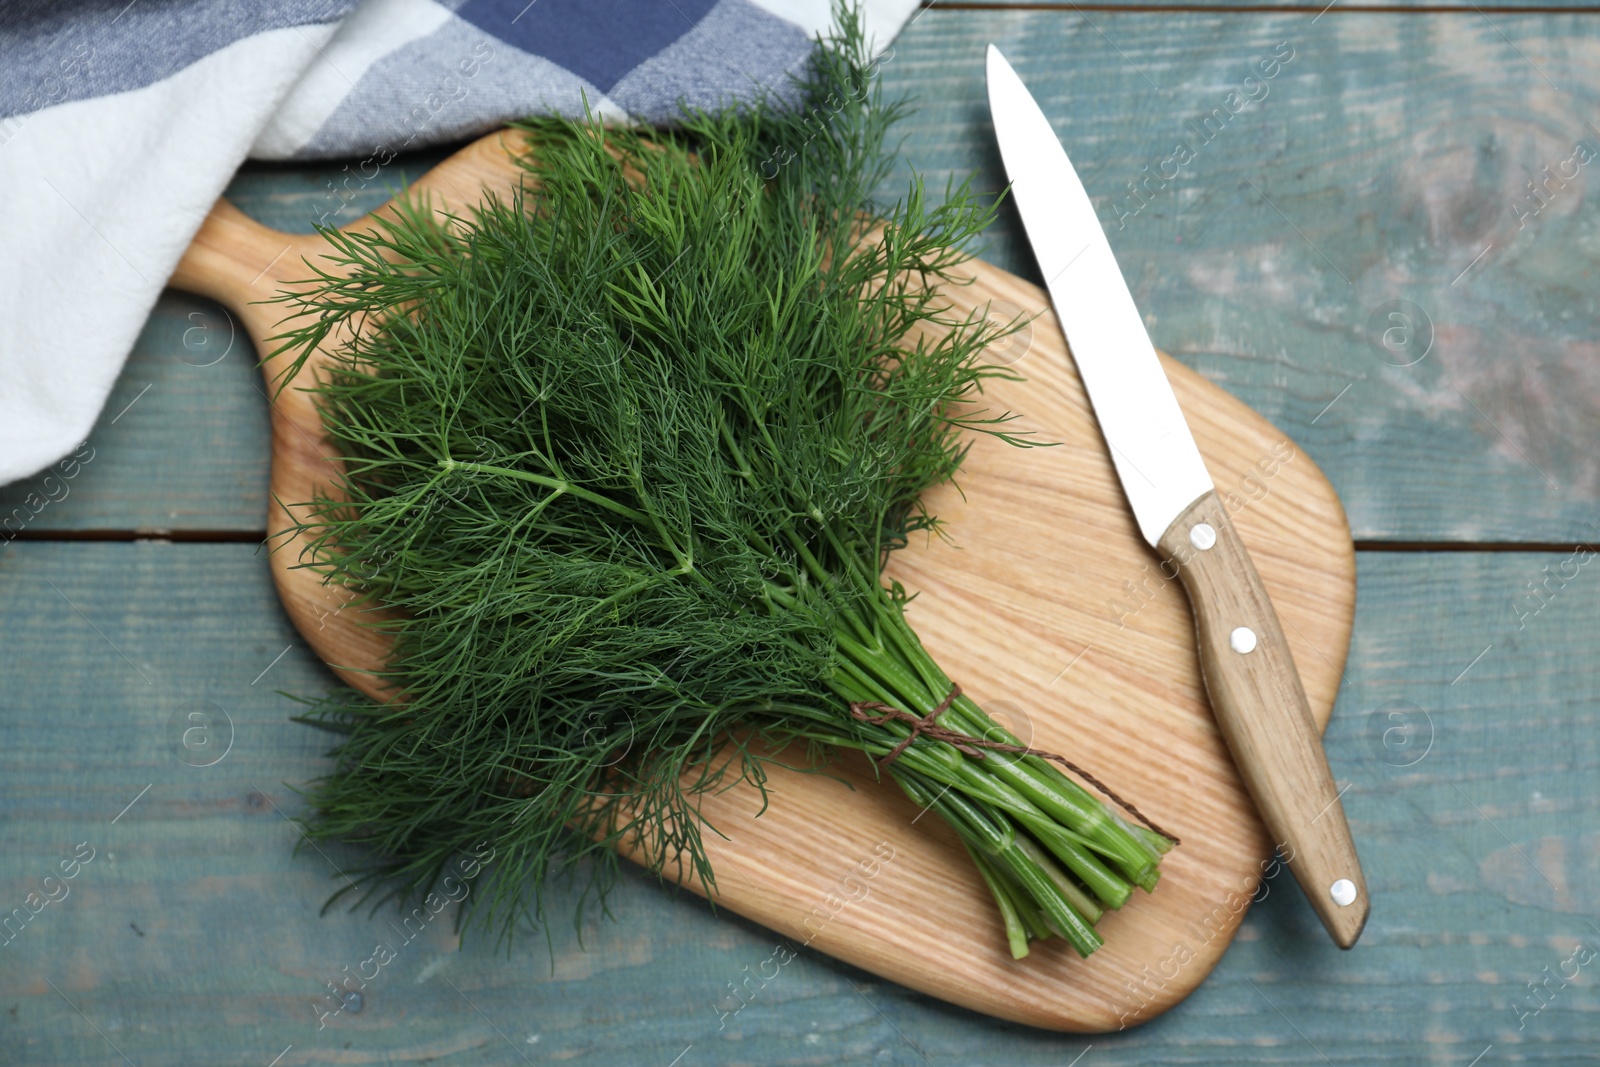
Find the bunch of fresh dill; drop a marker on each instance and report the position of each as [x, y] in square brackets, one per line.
[627, 451]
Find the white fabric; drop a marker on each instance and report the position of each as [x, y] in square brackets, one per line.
[378, 28]
[83, 255]
[105, 192]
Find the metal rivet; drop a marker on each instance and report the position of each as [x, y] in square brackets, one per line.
[1242, 640]
[1343, 892]
[1202, 536]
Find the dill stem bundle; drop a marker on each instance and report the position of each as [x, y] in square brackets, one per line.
[625, 454]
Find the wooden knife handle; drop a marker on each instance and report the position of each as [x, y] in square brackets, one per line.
[1261, 707]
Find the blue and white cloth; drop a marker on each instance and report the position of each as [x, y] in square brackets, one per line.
[121, 122]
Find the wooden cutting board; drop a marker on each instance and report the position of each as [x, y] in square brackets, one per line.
[1047, 608]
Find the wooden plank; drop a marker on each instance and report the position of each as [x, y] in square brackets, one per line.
[1378, 165]
[193, 935]
[180, 445]
[1396, 144]
[297, 198]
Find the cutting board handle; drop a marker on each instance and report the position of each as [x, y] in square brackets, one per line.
[236, 261]
[239, 263]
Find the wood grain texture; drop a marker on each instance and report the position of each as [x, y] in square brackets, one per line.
[1473, 801]
[1261, 709]
[987, 617]
[1381, 162]
[180, 445]
[194, 935]
[1397, 143]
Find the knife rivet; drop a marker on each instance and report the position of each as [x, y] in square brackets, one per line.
[1242, 640]
[1343, 892]
[1202, 536]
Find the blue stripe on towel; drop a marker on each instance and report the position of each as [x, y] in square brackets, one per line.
[601, 41]
[53, 52]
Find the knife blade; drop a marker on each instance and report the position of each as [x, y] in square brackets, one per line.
[1250, 677]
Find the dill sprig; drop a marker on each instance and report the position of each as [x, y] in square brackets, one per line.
[627, 451]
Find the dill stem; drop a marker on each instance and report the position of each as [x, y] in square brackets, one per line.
[901, 656]
[997, 839]
[557, 484]
[1016, 930]
[1027, 911]
[897, 672]
[1071, 824]
[1079, 900]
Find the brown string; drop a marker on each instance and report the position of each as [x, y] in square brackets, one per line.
[871, 711]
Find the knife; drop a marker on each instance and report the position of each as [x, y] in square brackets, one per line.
[1256, 694]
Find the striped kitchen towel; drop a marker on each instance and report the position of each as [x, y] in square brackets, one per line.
[122, 120]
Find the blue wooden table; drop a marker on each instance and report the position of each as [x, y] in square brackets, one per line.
[1433, 163]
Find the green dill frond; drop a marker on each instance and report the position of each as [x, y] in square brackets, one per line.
[627, 450]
